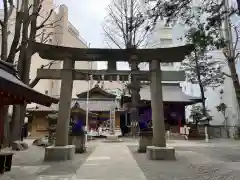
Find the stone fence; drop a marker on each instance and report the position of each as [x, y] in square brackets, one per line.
[220, 131]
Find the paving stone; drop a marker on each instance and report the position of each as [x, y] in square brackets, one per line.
[193, 163]
[110, 161]
[218, 160]
[29, 165]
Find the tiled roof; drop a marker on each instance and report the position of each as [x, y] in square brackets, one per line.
[98, 105]
[96, 89]
[94, 105]
[172, 92]
[10, 83]
[52, 108]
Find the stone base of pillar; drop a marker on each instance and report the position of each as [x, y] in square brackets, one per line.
[160, 153]
[112, 138]
[144, 141]
[80, 144]
[59, 153]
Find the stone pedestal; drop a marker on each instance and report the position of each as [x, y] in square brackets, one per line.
[145, 140]
[59, 153]
[161, 153]
[80, 144]
[71, 140]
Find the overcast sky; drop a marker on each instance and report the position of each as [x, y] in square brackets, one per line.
[87, 16]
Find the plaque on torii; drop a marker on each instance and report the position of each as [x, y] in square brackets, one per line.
[68, 74]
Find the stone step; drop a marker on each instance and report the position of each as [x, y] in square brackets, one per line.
[176, 136]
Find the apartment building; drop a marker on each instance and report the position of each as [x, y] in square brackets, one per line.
[214, 96]
[61, 33]
[162, 35]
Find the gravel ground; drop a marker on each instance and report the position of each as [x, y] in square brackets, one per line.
[218, 160]
[29, 165]
[193, 163]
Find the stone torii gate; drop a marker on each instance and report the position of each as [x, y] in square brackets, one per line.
[158, 150]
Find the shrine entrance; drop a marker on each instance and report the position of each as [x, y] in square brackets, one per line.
[63, 151]
[174, 101]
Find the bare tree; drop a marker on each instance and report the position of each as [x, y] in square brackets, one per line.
[126, 27]
[8, 10]
[231, 53]
[29, 27]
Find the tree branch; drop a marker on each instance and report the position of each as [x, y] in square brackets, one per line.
[237, 39]
[36, 80]
[46, 19]
[112, 39]
[4, 24]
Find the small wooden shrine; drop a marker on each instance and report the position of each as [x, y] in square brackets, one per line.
[102, 103]
[42, 118]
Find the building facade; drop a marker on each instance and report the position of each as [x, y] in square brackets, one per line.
[214, 96]
[60, 32]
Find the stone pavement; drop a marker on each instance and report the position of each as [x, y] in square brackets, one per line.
[196, 160]
[29, 165]
[110, 161]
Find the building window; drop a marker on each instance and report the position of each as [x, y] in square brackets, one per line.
[167, 64]
[166, 42]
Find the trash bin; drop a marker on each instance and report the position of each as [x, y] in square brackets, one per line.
[5, 161]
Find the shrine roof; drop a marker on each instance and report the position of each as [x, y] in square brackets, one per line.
[76, 108]
[171, 54]
[172, 92]
[98, 90]
[93, 105]
[10, 83]
[98, 105]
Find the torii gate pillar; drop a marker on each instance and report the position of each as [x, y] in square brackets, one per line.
[158, 150]
[61, 150]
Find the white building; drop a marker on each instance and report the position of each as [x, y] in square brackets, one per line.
[214, 97]
[61, 33]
